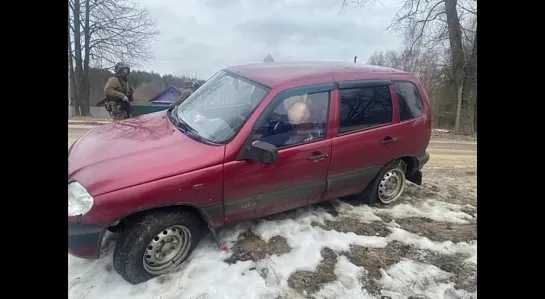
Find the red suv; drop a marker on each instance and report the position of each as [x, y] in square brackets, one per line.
[254, 140]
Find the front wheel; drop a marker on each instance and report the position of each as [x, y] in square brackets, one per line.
[388, 185]
[156, 244]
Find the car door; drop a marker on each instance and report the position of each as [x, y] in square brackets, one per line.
[365, 138]
[298, 177]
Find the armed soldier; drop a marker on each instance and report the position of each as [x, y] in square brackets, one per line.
[119, 93]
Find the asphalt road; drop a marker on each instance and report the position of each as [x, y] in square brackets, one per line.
[441, 147]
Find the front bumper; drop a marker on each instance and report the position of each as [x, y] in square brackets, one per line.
[84, 240]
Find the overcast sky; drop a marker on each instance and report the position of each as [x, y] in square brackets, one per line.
[199, 37]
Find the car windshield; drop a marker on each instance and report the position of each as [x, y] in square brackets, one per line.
[218, 109]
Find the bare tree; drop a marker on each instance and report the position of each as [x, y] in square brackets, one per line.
[431, 25]
[71, 76]
[430, 70]
[104, 32]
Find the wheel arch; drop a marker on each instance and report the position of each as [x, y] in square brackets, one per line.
[131, 216]
[201, 212]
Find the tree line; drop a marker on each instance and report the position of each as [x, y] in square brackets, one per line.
[440, 46]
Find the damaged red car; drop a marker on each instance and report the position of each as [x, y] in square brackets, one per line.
[254, 140]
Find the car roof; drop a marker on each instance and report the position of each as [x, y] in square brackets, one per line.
[272, 74]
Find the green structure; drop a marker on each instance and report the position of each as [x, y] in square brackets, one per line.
[145, 109]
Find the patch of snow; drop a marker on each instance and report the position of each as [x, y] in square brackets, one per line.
[472, 259]
[206, 274]
[363, 213]
[393, 223]
[410, 278]
[348, 284]
[447, 247]
[306, 242]
[470, 207]
[432, 209]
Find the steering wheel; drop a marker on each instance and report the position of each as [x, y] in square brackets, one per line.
[277, 118]
[277, 124]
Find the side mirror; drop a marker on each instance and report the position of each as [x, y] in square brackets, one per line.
[260, 151]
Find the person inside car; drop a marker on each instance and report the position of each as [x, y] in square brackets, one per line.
[299, 127]
[300, 119]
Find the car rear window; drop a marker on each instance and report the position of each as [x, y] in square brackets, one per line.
[365, 107]
[410, 101]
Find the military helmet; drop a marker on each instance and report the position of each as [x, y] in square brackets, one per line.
[120, 66]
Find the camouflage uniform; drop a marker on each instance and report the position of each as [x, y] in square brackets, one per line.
[117, 88]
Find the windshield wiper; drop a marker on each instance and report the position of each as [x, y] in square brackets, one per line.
[178, 122]
[190, 131]
[185, 128]
[171, 117]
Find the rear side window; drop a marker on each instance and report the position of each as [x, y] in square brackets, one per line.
[365, 107]
[410, 102]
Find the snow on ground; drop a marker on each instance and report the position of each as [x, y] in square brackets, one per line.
[429, 280]
[424, 246]
[431, 209]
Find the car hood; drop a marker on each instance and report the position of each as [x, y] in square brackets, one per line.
[135, 151]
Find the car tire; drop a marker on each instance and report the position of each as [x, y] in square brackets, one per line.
[393, 173]
[156, 244]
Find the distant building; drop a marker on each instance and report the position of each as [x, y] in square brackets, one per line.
[166, 97]
[268, 58]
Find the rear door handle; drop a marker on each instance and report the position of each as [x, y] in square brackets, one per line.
[388, 139]
[317, 156]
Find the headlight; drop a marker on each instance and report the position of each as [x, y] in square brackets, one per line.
[79, 200]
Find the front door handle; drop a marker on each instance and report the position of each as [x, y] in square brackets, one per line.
[317, 156]
[388, 139]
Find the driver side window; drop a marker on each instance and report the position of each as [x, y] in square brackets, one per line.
[296, 120]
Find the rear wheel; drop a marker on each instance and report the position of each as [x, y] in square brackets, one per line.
[156, 244]
[388, 185]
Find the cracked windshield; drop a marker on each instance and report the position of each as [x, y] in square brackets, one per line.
[277, 149]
